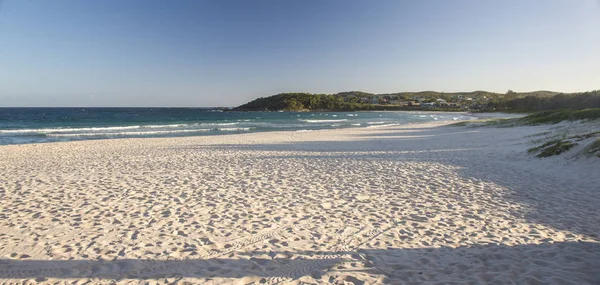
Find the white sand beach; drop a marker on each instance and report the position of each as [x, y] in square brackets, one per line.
[412, 204]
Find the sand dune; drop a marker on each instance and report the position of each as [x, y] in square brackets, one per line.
[394, 205]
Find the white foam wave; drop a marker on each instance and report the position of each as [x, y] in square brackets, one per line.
[221, 124]
[66, 130]
[382, 126]
[165, 126]
[234, 129]
[114, 134]
[92, 129]
[322, 121]
[375, 123]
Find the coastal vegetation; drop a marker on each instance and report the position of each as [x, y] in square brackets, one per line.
[549, 107]
[565, 143]
[539, 118]
[593, 148]
[574, 101]
[558, 146]
[566, 137]
[302, 102]
[427, 100]
[557, 116]
[551, 148]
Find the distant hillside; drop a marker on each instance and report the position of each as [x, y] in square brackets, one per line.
[305, 102]
[431, 100]
[575, 101]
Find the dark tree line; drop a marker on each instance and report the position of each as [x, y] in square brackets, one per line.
[301, 102]
[576, 101]
[355, 100]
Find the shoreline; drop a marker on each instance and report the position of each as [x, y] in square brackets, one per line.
[209, 126]
[286, 133]
[400, 204]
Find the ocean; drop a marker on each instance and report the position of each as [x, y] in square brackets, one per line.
[40, 125]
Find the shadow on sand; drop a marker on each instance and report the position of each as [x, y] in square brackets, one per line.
[542, 194]
[475, 264]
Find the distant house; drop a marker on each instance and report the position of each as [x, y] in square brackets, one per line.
[441, 103]
[376, 99]
[428, 105]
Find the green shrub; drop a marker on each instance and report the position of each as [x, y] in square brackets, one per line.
[556, 148]
[554, 117]
[594, 148]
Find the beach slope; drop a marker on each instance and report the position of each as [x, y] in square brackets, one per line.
[406, 204]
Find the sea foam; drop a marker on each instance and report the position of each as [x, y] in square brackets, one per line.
[322, 121]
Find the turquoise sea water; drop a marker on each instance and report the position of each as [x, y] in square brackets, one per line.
[36, 125]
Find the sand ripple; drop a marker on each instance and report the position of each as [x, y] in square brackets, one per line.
[391, 205]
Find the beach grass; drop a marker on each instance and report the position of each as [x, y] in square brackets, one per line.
[557, 116]
[556, 141]
[295, 206]
[593, 148]
[558, 146]
[496, 122]
[554, 147]
[541, 118]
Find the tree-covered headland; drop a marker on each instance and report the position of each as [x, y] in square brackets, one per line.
[426, 100]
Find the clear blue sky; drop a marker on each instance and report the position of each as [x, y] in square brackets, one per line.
[224, 53]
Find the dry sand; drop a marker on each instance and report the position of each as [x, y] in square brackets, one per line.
[415, 204]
